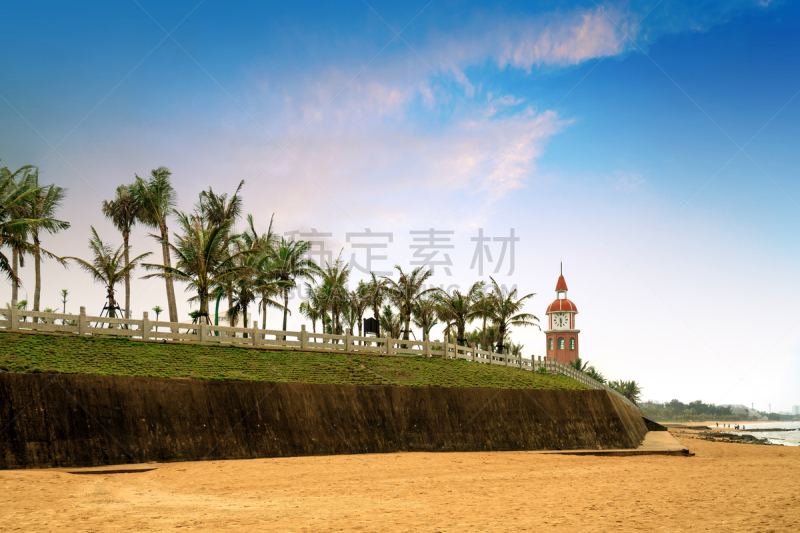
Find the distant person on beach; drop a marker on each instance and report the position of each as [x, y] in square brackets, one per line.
[717, 424]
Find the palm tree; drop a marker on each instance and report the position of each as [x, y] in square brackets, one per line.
[25, 209]
[202, 259]
[215, 209]
[312, 313]
[460, 309]
[424, 315]
[267, 284]
[349, 316]
[579, 364]
[157, 310]
[107, 266]
[255, 278]
[123, 211]
[359, 300]
[376, 294]
[391, 323]
[16, 190]
[504, 310]
[486, 338]
[156, 200]
[289, 266]
[595, 375]
[405, 292]
[629, 389]
[515, 349]
[333, 291]
[42, 207]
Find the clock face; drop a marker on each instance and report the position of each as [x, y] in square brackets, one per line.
[561, 321]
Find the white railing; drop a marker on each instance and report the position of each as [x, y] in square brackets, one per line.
[146, 330]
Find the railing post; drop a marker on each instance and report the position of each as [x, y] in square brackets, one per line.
[474, 347]
[13, 317]
[427, 347]
[255, 333]
[145, 326]
[388, 344]
[303, 337]
[348, 340]
[82, 322]
[203, 332]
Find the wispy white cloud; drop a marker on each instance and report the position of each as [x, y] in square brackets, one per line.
[626, 181]
[565, 40]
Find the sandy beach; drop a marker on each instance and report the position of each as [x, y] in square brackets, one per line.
[724, 487]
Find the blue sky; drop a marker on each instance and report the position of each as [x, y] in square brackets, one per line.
[651, 146]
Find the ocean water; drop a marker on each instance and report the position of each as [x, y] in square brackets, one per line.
[787, 438]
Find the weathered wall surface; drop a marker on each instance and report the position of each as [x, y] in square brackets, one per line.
[81, 420]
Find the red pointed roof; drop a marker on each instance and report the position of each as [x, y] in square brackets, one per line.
[561, 306]
[562, 284]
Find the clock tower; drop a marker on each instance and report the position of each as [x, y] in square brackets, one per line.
[562, 335]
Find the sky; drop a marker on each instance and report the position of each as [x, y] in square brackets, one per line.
[650, 147]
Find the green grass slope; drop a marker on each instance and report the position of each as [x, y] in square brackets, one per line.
[22, 353]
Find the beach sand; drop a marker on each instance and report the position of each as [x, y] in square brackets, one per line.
[724, 487]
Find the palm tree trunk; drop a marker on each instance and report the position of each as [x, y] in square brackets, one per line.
[501, 332]
[171, 304]
[264, 316]
[37, 267]
[125, 236]
[111, 302]
[15, 280]
[231, 320]
[285, 307]
[377, 318]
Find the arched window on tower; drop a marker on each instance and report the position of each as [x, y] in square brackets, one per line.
[572, 343]
[561, 343]
[550, 344]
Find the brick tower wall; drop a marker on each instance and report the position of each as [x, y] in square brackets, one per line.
[566, 355]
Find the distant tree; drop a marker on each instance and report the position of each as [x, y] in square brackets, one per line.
[157, 310]
[64, 294]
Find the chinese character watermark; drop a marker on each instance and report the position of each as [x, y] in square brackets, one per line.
[370, 245]
[426, 253]
[482, 250]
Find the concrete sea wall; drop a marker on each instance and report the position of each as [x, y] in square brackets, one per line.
[82, 420]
